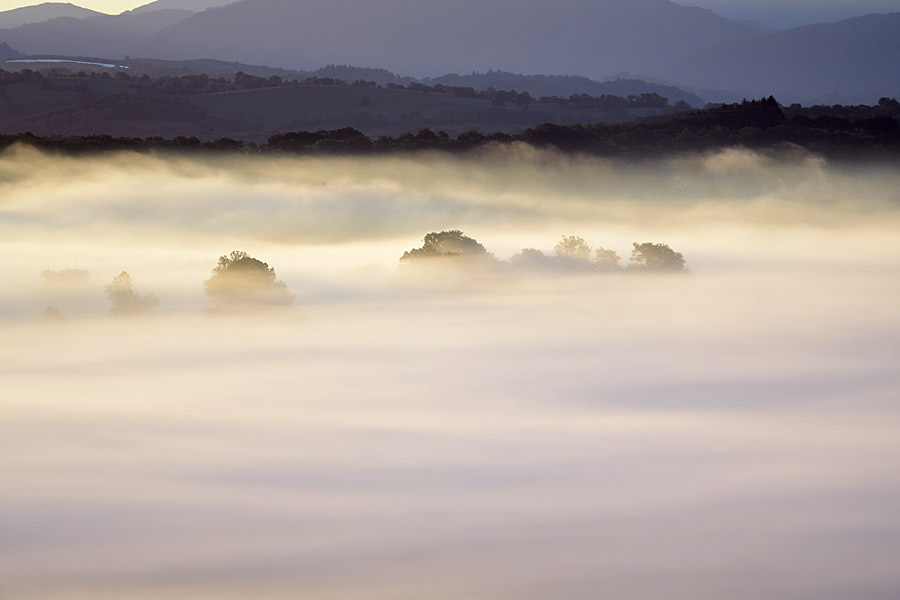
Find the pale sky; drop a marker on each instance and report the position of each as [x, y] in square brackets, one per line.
[106, 6]
[775, 13]
[112, 7]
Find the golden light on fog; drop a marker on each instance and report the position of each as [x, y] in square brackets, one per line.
[493, 433]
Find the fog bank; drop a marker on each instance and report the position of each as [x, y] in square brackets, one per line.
[447, 432]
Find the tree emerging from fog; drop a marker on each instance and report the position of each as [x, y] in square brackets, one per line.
[239, 280]
[446, 244]
[573, 247]
[572, 254]
[655, 257]
[125, 301]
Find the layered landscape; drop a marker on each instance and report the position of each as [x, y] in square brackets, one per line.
[413, 300]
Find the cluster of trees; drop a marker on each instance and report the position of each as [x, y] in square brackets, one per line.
[886, 107]
[500, 97]
[571, 254]
[240, 282]
[23, 76]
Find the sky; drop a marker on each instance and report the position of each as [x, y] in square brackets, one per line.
[774, 13]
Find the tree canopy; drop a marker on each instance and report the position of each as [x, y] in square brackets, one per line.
[241, 280]
[125, 301]
[655, 257]
[572, 246]
[452, 244]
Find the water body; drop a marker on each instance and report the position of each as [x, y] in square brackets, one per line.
[66, 62]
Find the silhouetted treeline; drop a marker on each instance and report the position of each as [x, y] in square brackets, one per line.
[756, 124]
[203, 84]
[23, 76]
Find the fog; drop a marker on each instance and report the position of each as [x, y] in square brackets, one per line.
[447, 429]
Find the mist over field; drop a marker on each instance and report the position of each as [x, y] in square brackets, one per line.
[446, 430]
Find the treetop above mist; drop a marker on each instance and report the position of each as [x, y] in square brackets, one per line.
[446, 244]
[240, 281]
[572, 254]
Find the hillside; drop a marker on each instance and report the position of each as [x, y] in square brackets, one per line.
[564, 85]
[189, 5]
[536, 85]
[253, 108]
[43, 12]
[609, 36]
[432, 36]
[7, 53]
[715, 58]
[97, 35]
[850, 61]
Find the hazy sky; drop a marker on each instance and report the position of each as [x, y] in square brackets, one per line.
[780, 13]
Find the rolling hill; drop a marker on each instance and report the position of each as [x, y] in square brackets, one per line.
[189, 5]
[7, 53]
[565, 85]
[97, 35]
[418, 37]
[129, 106]
[850, 61]
[424, 37]
[39, 13]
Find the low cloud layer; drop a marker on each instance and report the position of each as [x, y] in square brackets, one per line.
[493, 434]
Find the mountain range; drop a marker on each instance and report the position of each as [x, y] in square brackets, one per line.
[43, 12]
[721, 59]
[189, 5]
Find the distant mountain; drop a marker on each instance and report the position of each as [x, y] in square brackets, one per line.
[190, 5]
[566, 85]
[851, 61]
[423, 37]
[43, 12]
[720, 59]
[99, 35]
[6, 52]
